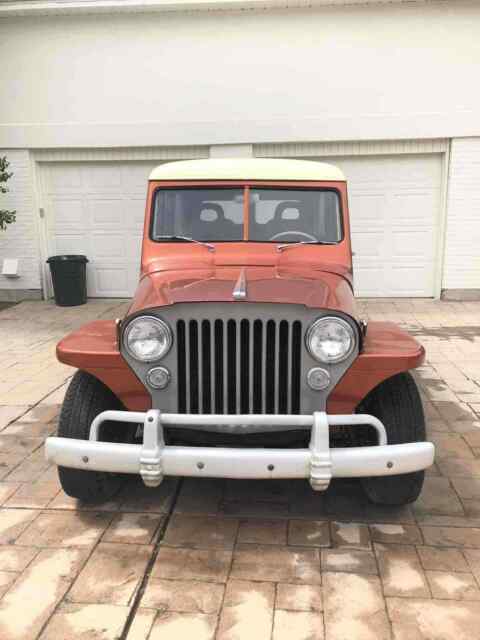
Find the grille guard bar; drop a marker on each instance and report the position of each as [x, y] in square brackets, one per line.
[319, 463]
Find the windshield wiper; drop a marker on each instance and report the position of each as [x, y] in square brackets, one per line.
[288, 245]
[210, 247]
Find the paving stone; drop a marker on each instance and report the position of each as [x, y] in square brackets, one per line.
[467, 488]
[14, 558]
[251, 509]
[8, 463]
[463, 468]
[176, 626]
[247, 611]
[28, 604]
[13, 522]
[197, 532]
[29, 469]
[15, 445]
[54, 529]
[297, 625]
[401, 571]
[34, 429]
[33, 496]
[299, 597]
[349, 560]
[211, 565]
[142, 624]
[472, 557]
[86, 621]
[136, 497]
[351, 535]
[450, 446]
[6, 490]
[415, 619]
[454, 411]
[453, 585]
[7, 578]
[10, 413]
[354, 608]
[451, 536]
[121, 567]
[40, 413]
[136, 528]
[276, 564]
[308, 533]
[438, 497]
[183, 597]
[200, 496]
[395, 533]
[263, 531]
[258, 490]
[66, 503]
[442, 559]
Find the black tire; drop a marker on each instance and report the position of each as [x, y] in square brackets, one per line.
[397, 403]
[86, 397]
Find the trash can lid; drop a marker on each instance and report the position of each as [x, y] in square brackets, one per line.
[67, 258]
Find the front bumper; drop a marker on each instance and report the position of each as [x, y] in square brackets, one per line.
[319, 463]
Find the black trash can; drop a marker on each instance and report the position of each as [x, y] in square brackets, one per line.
[69, 277]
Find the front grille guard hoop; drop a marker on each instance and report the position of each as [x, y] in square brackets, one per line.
[151, 468]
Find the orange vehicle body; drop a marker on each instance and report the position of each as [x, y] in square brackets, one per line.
[317, 277]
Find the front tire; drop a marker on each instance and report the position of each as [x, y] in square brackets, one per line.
[397, 403]
[86, 397]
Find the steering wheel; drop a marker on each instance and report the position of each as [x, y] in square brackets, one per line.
[277, 236]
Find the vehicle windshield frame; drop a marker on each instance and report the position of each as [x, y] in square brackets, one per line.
[246, 187]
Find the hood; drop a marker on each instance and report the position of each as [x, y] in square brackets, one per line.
[312, 287]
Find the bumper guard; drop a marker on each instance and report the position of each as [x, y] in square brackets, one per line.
[319, 463]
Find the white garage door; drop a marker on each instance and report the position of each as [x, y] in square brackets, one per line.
[395, 210]
[97, 209]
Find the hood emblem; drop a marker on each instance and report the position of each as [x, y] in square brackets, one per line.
[240, 289]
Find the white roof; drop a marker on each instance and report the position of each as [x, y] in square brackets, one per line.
[246, 169]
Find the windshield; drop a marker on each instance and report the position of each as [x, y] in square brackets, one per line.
[273, 215]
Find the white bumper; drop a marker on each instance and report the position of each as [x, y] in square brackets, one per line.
[319, 463]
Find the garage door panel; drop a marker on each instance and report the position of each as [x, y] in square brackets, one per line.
[394, 204]
[106, 212]
[70, 244]
[135, 212]
[412, 244]
[366, 210]
[366, 245]
[102, 178]
[67, 214]
[407, 281]
[108, 246]
[111, 281]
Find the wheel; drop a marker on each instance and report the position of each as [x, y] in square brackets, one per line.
[86, 397]
[397, 403]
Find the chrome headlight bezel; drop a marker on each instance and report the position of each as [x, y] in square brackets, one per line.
[159, 324]
[322, 321]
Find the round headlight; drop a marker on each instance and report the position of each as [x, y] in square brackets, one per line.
[147, 338]
[330, 339]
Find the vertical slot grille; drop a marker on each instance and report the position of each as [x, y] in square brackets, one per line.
[239, 366]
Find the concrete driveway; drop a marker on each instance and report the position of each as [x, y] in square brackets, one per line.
[238, 560]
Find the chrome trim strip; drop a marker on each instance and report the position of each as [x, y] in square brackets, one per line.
[240, 289]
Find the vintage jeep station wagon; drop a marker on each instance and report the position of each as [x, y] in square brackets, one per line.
[242, 354]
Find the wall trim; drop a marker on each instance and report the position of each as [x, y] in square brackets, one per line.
[15, 8]
[121, 154]
[461, 295]
[19, 295]
[363, 148]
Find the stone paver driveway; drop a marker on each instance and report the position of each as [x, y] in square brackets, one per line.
[238, 560]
